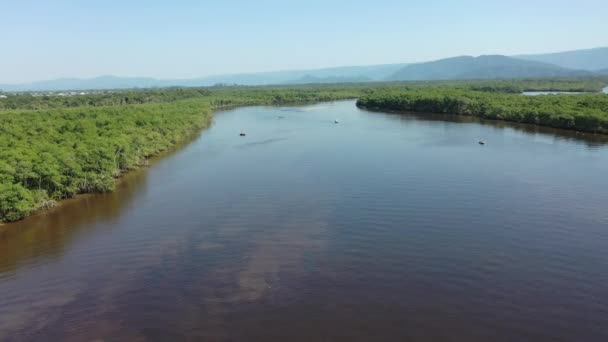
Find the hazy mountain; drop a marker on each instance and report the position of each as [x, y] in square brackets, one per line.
[602, 72]
[482, 67]
[327, 75]
[563, 64]
[588, 59]
[371, 72]
[309, 79]
[102, 82]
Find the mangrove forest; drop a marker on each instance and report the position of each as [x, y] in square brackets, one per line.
[57, 145]
[581, 112]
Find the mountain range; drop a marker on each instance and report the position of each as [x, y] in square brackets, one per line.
[588, 59]
[577, 63]
[483, 67]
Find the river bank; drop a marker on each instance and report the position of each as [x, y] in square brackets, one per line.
[582, 112]
[54, 153]
[304, 221]
[49, 155]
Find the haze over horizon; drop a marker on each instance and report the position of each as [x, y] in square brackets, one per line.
[68, 39]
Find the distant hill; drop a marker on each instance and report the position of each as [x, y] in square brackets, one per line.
[602, 72]
[588, 59]
[102, 82]
[309, 79]
[482, 67]
[327, 75]
[577, 63]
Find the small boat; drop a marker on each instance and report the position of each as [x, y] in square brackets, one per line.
[336, 121]
[481, 142]
[280, 117]
[242, 134]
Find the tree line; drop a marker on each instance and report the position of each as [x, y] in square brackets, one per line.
[49, 100]
[50, 154]
[581, 112]
[54, 147]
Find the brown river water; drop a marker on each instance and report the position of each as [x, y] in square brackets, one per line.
[383, 227]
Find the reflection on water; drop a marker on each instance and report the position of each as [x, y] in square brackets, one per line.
[385, 226]
[536, 93]
[591, 140]
[261, 142]
[47, 234]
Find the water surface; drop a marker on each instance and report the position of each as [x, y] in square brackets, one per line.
[536, 93]
[382, 227]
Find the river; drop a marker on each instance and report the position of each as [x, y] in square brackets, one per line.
[380, 227]
[536, 93]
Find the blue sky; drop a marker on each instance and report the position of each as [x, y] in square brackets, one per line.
[184, 39]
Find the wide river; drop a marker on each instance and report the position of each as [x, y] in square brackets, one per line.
[381, 227]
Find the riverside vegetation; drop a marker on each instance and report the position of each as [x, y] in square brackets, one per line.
[54, 147]
[581, 112]
[52, 154]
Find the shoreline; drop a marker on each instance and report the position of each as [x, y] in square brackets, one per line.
[149, 162]
[216, 109]
[400, 111]
[118, 180]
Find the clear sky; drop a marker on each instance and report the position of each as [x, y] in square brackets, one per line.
[183, 39]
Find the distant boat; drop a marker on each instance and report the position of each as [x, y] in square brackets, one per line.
[481, 142]
[336, 121]
[242, 134]
[281, 117]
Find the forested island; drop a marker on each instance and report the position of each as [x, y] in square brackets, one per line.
[580, 112]
[54, 146]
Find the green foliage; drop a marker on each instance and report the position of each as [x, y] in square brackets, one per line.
[56, 146]
[64, 152]
[51, 154]
[212, 95]
[582, 112]
[36, 101]
[16, 202]
[277, 94]
[590, 85]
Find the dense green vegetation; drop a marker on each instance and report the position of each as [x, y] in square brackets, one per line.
[54, 154]
[37, 100]
[97, 99]
[591, 85]
[50, 154]
[583, 112]
[56, 146]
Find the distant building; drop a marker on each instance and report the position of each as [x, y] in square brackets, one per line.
[3, 96]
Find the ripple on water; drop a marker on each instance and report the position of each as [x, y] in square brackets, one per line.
[384, 227]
